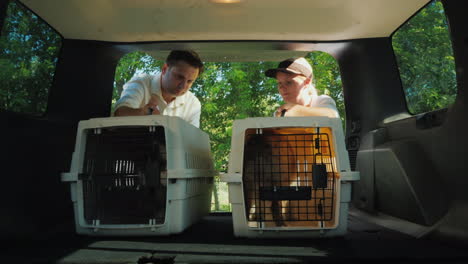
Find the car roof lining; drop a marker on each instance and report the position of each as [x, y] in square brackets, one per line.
[196, 20]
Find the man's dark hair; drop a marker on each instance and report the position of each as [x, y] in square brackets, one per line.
[188, 56]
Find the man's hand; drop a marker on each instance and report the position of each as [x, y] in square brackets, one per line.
[151, 108]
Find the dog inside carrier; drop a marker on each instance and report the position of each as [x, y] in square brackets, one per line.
[124, 175]
[290, 178]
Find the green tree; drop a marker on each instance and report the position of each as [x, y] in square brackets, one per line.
[28, 55]
[327, 78]
[425, 59]
[229, 91]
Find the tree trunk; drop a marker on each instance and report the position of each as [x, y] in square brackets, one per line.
[215, 193]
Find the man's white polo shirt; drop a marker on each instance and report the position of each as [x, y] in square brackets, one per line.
[137, 93]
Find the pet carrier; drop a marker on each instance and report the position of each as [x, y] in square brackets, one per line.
[289, 177]
[149, 175]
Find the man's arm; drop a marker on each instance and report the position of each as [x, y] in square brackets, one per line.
[145, 110]
[132, 98]
[127, 111]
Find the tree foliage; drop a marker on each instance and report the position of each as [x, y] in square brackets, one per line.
[425, 59]
[230, 91]
[28, 54]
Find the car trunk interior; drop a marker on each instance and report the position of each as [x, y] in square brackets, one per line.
[410, 204]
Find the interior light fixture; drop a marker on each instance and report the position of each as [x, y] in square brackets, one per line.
[226, 1]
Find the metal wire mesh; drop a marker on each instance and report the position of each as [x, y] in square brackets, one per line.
[289, 177]
[121, 177]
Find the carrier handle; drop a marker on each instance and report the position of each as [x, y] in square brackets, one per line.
[317, 146]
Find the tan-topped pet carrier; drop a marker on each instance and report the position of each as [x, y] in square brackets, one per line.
[289, 177]
[149, 175]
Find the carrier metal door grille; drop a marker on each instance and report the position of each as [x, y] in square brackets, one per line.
[121, 177]
[289, 177]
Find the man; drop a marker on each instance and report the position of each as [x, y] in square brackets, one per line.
[166, 93]
[294, 77]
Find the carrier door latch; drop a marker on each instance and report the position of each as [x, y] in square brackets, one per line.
[350, 175]
[69, 176]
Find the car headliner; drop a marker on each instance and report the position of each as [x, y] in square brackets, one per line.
[141, 21]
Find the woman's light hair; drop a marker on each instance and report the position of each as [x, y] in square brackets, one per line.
[311, 90]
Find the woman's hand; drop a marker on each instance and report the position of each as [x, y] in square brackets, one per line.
[291, 109]
[300, 110]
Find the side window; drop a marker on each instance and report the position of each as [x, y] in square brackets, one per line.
[28, 56]
[425, 59]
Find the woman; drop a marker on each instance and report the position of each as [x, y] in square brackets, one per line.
[294, 78]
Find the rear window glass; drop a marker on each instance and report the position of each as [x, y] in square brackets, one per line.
[233, 90]
[28, 56]
[425, 59]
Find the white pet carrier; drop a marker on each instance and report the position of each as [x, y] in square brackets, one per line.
[149, 175]
[289, 177]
